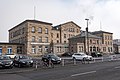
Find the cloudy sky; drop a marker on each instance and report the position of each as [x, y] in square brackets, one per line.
[103, 14]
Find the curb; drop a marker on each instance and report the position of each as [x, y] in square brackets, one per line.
[14, 72]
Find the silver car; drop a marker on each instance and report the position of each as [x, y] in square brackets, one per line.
[81, 56]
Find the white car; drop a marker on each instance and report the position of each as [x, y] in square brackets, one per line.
[11, 55]
[81, 56]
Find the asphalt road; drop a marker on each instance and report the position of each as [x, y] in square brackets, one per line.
[94, 71]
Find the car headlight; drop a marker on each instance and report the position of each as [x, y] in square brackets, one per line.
[11, 62]
[53, 59]
[23, 62]
[60, 59]
[1, 63]
[31, 61]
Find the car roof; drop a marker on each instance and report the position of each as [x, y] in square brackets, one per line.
[79, 53]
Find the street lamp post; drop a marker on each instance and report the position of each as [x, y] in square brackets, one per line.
[87, 37]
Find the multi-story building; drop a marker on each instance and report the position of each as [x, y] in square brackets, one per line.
[35, 35]
[79, 43]
[63, 32]
[40, 37]
[116, 46]
[107, 41]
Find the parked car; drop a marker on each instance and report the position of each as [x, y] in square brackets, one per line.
[81, 56]
[96, 54]
[11, 55]
[5, 61]
[22, 60]
[54, 58]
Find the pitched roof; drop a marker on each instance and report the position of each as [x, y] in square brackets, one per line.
[98, 32]
[83, 35]
[58, 26]
[34, 21]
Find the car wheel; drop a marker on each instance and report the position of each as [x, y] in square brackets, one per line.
[84, 59]
[91, 59]
[11, 67]
[31, 65]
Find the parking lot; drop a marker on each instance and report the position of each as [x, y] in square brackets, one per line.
[66, 61]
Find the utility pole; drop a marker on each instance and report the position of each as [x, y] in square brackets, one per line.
[87, 36]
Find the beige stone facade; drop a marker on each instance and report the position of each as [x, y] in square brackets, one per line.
[116, 46]
[35, 35]
[107, 41]
[40, 37]
[79, 43]
[65, 31]
[11, 48]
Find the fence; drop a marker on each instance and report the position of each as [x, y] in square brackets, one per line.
[70, 61]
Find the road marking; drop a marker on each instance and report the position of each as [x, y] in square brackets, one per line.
[117, 67]
[82, 73]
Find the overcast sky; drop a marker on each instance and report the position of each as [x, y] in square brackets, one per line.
[103, 14]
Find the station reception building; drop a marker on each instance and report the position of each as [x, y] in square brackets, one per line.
[35, 37]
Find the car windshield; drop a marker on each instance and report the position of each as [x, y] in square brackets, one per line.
[4, 58]
[24, 57]
[53, 56]
[83, 54]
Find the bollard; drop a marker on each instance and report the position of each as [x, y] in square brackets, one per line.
[102, 59]
[36, 66]
[49, 63]
[74, 61]
[63, 62]
[94, 60]
[111, 58]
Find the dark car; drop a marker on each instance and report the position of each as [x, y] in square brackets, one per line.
[96, 54]
[5, 62]
[22, 60]
[67, 54]
[54, 58]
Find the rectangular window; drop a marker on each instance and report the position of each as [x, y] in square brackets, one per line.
[9, 50]
[104, 49]
[40, 48]
[0, 51]
[46, 48]
[57, 41]
[40, 30]
[23, 30]
[46, 39]
[64, 41]
[91, 49]
[77, 30]
[33, 38]
[40, 39]
[33, 49]
[97, 41]
[57, 35]
[33, 29]
[64, 35]
[19, 49]
[57, 49]
[46, 30]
